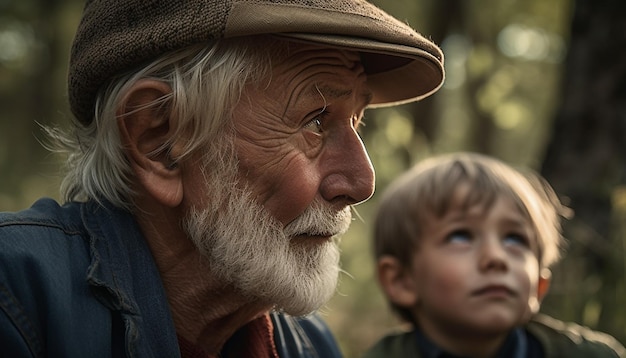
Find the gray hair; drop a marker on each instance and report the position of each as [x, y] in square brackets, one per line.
[206, 82]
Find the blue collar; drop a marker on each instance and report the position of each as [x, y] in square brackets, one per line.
[124, 277]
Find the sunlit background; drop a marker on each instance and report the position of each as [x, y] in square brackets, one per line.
[508, 93]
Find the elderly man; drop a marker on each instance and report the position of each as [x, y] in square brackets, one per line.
[213, 160]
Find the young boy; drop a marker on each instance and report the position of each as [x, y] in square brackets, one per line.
[463, 245]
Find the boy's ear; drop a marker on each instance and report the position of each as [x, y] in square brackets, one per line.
[543, 285]
[396, 282]
[145, 129]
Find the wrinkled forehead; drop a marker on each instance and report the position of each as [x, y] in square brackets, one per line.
[293, 58]
[308, 72]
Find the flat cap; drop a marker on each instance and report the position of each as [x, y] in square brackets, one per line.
[115, 36]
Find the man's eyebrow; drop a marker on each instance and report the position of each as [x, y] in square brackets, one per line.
[333, 93]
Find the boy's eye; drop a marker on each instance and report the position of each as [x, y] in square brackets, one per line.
[459, 236]
[516, 239]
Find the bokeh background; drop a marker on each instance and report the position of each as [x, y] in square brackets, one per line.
[536, 83]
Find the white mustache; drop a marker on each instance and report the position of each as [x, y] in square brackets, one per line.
[320, 219]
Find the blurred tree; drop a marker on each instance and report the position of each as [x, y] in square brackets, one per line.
[586, 162]
[34, 42]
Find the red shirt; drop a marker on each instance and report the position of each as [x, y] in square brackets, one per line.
[254, 340]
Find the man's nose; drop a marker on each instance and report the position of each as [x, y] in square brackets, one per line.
[349, 175]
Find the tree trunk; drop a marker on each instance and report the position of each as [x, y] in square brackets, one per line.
[586, 160]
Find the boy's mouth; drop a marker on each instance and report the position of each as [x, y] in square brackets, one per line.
[494, 290]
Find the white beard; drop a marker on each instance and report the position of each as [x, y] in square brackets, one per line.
[249, 249]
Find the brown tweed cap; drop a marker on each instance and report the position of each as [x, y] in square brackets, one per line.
[115, 36]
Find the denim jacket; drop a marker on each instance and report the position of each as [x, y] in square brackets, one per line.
[79, 280]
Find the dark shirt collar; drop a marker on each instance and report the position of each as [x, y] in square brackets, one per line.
[515, 346]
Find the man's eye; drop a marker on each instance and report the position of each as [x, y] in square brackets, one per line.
[315, 125]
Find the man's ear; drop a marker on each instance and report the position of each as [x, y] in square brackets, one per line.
[146, 127]
[397, 282]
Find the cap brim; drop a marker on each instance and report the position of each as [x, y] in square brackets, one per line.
[396, 73]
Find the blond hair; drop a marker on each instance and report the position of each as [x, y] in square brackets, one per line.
[431, 185]
[431, 188]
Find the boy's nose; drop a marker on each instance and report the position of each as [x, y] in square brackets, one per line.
[492, 255]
